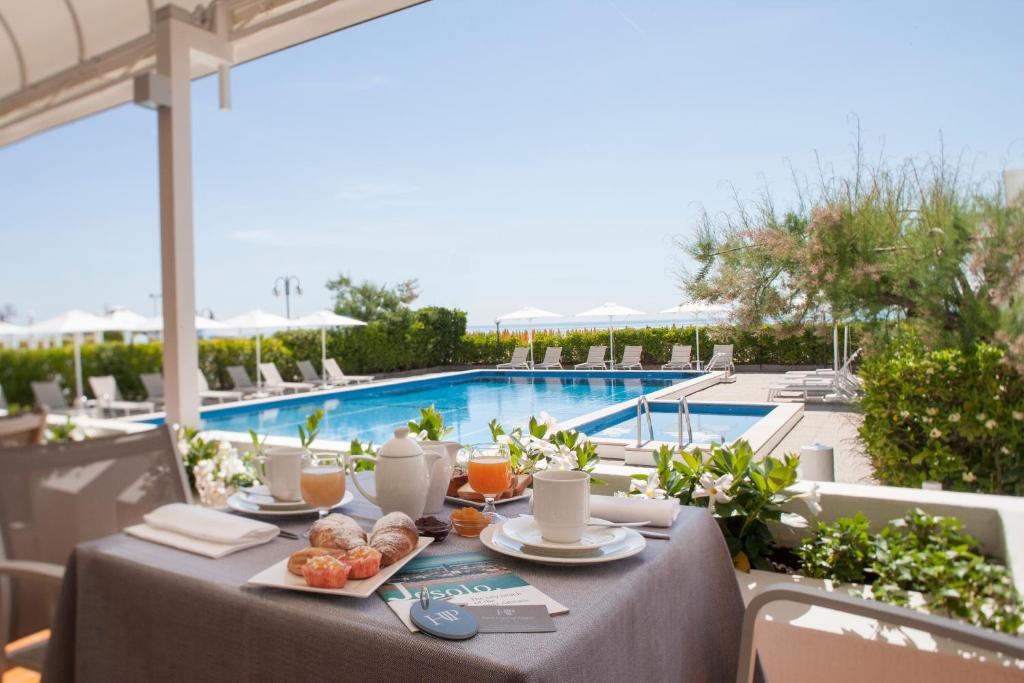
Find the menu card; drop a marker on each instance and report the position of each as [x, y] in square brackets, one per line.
[462, 578]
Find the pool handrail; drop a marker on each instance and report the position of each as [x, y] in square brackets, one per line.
[643, 404]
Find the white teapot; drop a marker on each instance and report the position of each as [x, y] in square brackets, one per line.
[401, 476]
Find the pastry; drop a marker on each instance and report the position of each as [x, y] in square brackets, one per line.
[325, 571]
[299, 559]
[364, 562]
[337, 531]
[394, 536]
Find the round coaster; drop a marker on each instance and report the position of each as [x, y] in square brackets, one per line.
[442, 619]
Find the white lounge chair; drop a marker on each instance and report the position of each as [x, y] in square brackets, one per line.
[309, 374]
[108, 397]
[154, 385]
[630, 359]
[49, 395]
[552, 358]
[520, 359]
[721, 359]
[272, 378]
[3, 401]
[240, 380]
[802, 387]
[681, 358]
[218, 395]
[595, 359]
[335, 375]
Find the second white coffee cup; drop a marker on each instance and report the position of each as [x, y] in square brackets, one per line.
[280, 470]
[561, 504]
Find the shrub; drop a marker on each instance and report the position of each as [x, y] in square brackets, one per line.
[946, 416]
[931, 555]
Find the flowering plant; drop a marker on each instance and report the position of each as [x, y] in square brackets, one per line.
[215, 469]
[744, 496]
[431, 426]
[541, 447]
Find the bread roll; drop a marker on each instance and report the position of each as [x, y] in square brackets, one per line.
[394, 536]
[337, 531]
[299, 559]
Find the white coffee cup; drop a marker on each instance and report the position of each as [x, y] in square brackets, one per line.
[280, 470]
[561, 504]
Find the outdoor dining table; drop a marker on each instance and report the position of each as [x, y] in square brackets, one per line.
[130, 610]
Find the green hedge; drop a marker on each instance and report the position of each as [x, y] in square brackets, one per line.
[765, 345]
[946, 416]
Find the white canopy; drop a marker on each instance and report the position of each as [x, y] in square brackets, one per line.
[325, 318]
[11, 329]
[62, 60]
[257, 319]
[203, 323]
[529, 314]
[129, 319]
[76, 322]
[610, 310]
[699, 310]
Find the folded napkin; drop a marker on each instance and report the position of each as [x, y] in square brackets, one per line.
[201, 530]
[617, 509]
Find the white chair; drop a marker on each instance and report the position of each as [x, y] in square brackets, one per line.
[335, 375]
[630, 359]
[552, 358]
[309, 373]
[272, 379]
[240, 380]
[108, 397]
[520, 359]
[721, 359]
[205, 392]
[595, 359]
[681, 358]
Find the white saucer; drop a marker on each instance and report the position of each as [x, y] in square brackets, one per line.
[525, 531]
[240, 503]
[271, 503]
[632, 544]
[261, 493]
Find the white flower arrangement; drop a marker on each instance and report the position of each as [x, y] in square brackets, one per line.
[216, 468]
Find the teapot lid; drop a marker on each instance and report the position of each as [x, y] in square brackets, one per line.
[401, 446]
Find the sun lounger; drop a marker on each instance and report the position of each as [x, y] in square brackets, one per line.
[552, 358]
[272, 378]
[519, 361]
[721, 359]
[335, 375]
[108, 397]
[240, 380]
[802, 387]
[218, 395]
[309, 373]
[595, 359]
[630, 359]
[3, 401]
[681, 358]
[50, 396]
[154, 385]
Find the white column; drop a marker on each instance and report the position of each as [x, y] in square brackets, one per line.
[181, 348]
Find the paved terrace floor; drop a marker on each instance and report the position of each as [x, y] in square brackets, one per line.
[832, 424]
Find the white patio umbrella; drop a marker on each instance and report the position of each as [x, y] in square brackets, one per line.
[699, 312]
[258, 320]
[203, 324]
[611, 310]
[76, 323]
[529, 314]
[10, 329]
[324, 319]
[127, 320]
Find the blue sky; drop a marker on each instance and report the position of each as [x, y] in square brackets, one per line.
[539, 152]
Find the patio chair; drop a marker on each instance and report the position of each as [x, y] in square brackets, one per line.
[25, 429]
[49, 395]
[240, 380]
[595, 359]
[309, 373]
[153, 382]
[681, 358]
[630, 359]
[335, 375]
[3, 401]
[272, 379]
[721, 359]
[54, 497]
[218, 395]
[108, 397]
[552, 359]
[938, 627]
[519, 360]
[802, 387]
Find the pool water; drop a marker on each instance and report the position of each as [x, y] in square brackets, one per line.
[710, 422]
[468, 403]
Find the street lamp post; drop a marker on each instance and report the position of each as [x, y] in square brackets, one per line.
[286, 282]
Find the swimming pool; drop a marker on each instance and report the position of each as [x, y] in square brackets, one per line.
[468, 402]
[711, 422]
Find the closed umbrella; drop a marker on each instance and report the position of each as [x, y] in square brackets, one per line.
[76, 323]
[258, 320]
[324, 319]
[529, 314]
[611, 310]
[699, 311]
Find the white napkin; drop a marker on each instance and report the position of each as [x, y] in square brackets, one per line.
[201, 530]
[617, 509]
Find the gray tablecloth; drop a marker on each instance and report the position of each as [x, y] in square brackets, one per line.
[134, 611]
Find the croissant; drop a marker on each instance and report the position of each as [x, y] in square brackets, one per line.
[394, 535]
[337, 531]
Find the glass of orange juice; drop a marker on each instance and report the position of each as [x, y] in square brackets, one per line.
[489, 468]
[323, 484]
